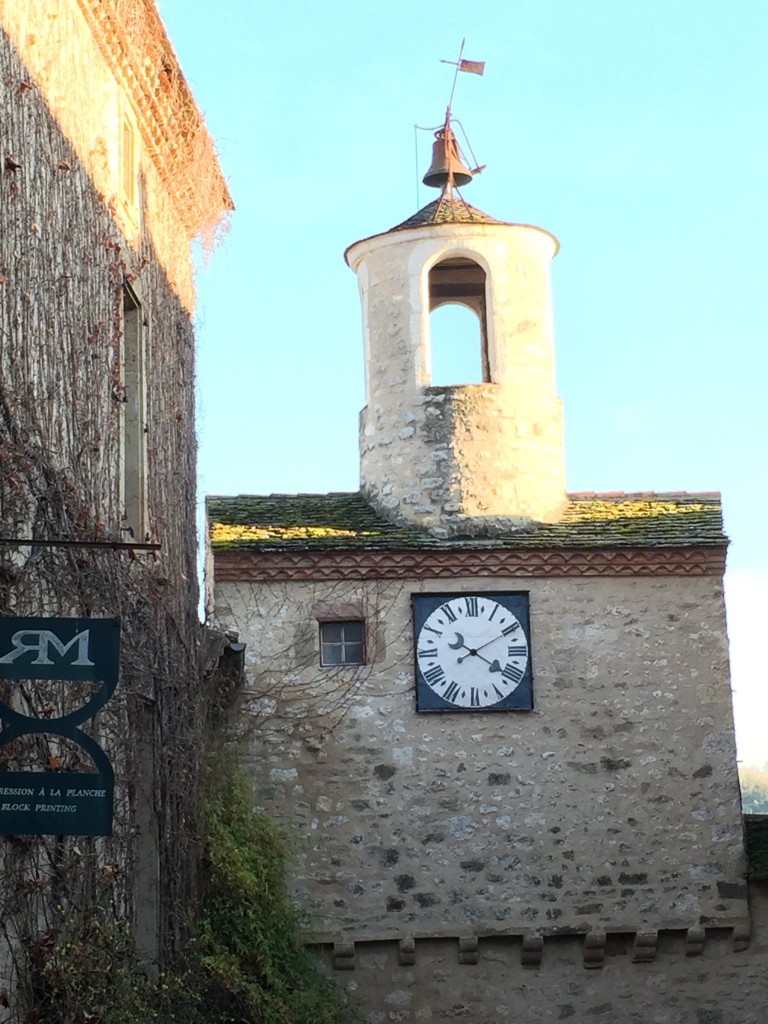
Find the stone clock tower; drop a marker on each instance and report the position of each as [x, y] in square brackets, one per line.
[450, 458]
[496, 715]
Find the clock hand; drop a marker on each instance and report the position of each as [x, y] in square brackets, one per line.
[493, 666]
[487, 642]
[472, 651]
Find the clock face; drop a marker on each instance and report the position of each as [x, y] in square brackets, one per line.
[472, 652]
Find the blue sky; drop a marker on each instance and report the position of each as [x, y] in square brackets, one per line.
[635, 133]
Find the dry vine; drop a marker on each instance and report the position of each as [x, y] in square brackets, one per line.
[63, 264]
[287, 690]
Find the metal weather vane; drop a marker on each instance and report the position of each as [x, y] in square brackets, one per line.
[472, 67]
[448, 168]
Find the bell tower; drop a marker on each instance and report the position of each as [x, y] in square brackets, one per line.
[499, 715]
[464, 458]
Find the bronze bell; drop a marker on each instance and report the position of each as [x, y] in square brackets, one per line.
[446, 164]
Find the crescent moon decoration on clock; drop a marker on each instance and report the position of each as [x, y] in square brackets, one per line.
[473, 652]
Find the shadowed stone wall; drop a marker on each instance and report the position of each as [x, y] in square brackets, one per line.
[670, 980]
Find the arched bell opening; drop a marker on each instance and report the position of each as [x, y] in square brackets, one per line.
[458, 331]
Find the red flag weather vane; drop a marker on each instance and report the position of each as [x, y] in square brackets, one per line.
[472, 67]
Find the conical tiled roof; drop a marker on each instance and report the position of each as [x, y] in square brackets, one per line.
[450, 208]
[446, 210]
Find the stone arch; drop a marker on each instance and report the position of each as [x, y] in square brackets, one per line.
[456, 282]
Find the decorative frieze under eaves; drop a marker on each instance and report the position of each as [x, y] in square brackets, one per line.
[250, 566]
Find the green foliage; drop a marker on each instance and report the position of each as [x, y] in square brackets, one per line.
[754, 790]
[251, 944]
[248, 964]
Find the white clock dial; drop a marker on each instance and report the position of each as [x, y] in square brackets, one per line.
[472, 651]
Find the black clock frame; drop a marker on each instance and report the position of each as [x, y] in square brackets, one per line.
[517, 603]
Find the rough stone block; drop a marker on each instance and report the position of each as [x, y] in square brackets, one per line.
[594, 949]
[694, 941]
[741, 936]
[344, 956]
[644, 947]
[468, 947]
[531, 953]
[406, 951]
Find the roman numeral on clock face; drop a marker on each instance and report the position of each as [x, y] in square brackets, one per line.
[451, 692]
[510, 629]
[449, 613]
[513, 673]
[434, 675]
[471, 606]
[516, 651]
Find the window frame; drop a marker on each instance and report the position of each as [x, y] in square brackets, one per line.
[343, 643]
[133, 419]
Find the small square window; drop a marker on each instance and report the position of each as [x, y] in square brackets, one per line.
[342, 643]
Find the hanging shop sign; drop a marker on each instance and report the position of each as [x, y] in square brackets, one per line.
[48, 801]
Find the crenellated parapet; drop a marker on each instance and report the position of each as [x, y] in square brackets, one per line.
[680, 975]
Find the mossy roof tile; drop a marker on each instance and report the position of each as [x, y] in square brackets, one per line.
[446, 211]
[346, 520]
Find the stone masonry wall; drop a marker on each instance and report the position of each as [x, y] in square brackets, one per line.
[612, 807]
[668, 978]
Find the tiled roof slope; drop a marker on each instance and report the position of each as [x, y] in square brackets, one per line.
[446, 210]
[280, 522]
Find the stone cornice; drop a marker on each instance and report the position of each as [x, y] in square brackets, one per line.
[251, 566]
[134, 43]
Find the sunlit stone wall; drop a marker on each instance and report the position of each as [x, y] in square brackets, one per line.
[447, 458]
